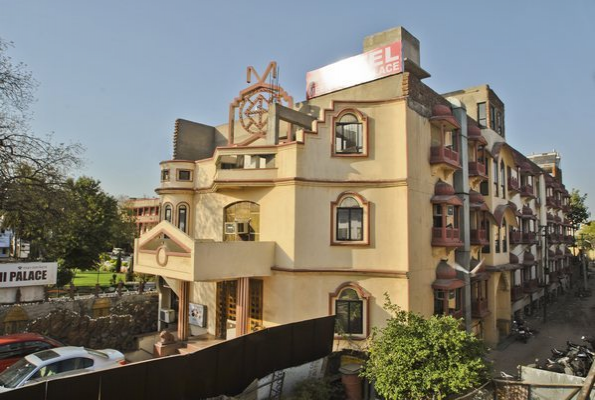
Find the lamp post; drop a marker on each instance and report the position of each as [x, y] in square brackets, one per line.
[546, 269]
[584, 259]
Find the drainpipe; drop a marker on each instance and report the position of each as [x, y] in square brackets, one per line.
[461, 184]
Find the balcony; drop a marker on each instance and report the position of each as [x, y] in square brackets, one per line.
[147, 219]
[527, 191]
[529, 238]
[477, 169]
[478, 237]
[446, 156]
[552, 202]
[479, 308]
[554, 238]
[513, 184]
[516, 293]
[530, 286]
[515, 237]
[245, 167]
[168, 252]
[553, 276]
[254, 176]
[446, 237]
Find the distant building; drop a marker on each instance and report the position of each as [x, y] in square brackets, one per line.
[145, 213]
[374, 185]
[5, 243]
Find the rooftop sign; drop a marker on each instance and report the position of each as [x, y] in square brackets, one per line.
[366, 67]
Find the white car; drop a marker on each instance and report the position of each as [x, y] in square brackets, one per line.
[57, 363]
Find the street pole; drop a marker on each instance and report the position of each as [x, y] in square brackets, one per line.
[546, 270]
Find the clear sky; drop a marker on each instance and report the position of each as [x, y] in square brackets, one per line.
[115, 74]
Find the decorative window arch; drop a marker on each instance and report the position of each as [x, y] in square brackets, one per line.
[167, 213]
[350, 134]
[182, 217]
[241, 221]
[350, 220]
[502, 179]
[350, 303]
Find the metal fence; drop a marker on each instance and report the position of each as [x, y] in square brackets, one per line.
[225, 368]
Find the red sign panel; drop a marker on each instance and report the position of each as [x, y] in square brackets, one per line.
[366, 67]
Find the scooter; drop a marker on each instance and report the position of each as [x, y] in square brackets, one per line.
[522, 332]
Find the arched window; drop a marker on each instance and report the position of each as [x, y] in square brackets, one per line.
[350, 214]
[183, 218]
[350, 133]
[167, 213]
[241, 222]
[502, 180]
[350, 305]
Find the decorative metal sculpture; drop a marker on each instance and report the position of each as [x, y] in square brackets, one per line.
[254, 102]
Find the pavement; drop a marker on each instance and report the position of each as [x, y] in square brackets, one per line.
[568, 318]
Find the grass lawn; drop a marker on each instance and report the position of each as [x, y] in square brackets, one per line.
[89, 278]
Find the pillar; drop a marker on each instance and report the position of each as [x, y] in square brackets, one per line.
[243, 306]
[183, 310]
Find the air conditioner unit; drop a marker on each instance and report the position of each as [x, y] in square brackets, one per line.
[230, 228]
[167, 315]
[242, 227]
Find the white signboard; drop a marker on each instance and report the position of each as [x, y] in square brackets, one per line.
[5, 239]
[197, 314]
[28, 274]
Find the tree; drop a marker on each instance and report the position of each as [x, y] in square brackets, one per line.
[87, 225]
[579, 212]
[26, 161]
[417, 358]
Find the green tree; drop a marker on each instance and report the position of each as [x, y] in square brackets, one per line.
[87, 226]
[579, 212]
[417, 358]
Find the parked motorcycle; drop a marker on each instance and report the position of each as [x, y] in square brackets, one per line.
[590, 340]
[575, 360]
[522, 331]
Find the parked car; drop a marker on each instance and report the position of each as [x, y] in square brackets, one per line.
[16, 346]
[57, 363]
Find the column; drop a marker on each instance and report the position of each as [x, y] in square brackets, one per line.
[183, 310]
[243, 306]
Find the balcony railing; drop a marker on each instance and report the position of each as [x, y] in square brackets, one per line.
[479, 308]
[197, 260]
[444, 155]
[529, 238]
[527, 191]
[554, 238]
[446, 237]
[553, 276]
[479, 237]
[515, 237]
[516, 293]
[513, 184]
[477, 169]
[530, 286]
[260, 175]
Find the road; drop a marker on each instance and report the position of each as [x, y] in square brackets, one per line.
[568, 318]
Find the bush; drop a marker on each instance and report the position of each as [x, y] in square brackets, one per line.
[64, 276]
[417, 358]
[311, 389]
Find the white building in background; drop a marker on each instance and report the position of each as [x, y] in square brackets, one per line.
[5, 241]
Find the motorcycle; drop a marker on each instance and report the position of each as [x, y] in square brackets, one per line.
[590, 340]
[576, 360]
[522, 331]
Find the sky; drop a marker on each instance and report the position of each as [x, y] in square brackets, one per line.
[114, 75]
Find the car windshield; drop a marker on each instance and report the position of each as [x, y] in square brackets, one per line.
[14, 374]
